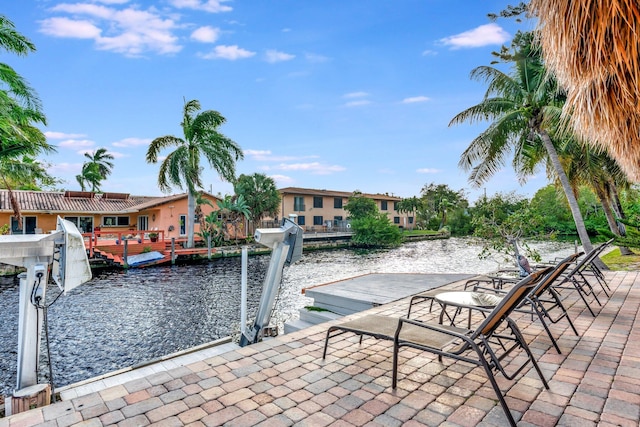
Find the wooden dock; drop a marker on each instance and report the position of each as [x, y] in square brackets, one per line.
[361, 293]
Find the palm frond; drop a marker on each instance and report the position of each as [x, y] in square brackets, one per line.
[11, 40]
[594, 50]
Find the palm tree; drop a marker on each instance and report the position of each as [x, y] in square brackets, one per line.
[598, 171]
[102, 161]
[182, 166]
[14, 42]
[90, 177]
[524, 108]
[233, 210]
[96, 170]
[20, 110]
[592, 47]
[27, 173]
[260, 194]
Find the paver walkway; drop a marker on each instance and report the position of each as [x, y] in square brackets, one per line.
[285, 381]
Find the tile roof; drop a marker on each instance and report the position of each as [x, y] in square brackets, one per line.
[77, 201]
[332, 193]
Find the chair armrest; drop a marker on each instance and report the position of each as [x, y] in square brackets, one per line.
[477, 281]
[494, 290]
[448, 330]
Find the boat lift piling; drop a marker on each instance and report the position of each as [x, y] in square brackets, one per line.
[286, 244]
[63, 251]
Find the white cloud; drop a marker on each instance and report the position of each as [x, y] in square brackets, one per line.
[268, 156]
[357, 103]
[76, 143]
[129, 30]
[414, 99]
[206, 34]
[131, 142]
[428, 170]
[315, 168]
[282, 180]
[273, 56]
[85, 9]
[118, 155]
[64, 168]
[488, 34]
[316, 58]
[355, 95]
[212, 6]
[62, 135]
[429, 52]
[64, 27]
[231, 53]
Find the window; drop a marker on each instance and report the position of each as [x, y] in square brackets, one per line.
[143, 222]
[28, 225]
[317, 220]
[115, 221]
[395, 206]
[84, 223]
[337, 202]
[298, 204]
[317, 202]
[383, 205]
[396, 220]
[183, 225]
[410, 220]
[300, 219]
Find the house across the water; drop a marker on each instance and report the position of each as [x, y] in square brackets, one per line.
[323, 210]
[103, 213]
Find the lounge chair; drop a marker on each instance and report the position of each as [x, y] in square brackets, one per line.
[576, 277]
[543, 298]
[486, 346]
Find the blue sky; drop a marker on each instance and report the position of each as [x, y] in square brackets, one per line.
[333, 94]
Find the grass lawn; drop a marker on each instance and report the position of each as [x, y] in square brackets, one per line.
[615, 261]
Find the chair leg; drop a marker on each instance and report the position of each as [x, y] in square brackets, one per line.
[581, 293]
[326, 343]
[526, 348]
[546, 327]
[494, 384]
[558, 301]
[394, 373]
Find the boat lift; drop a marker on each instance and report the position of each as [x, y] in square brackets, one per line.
[286, 244]
[62, 253]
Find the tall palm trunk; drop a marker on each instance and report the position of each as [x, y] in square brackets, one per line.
[614, 198]
[17, 213]
[191, 217]
[605, 201]
[568, 191]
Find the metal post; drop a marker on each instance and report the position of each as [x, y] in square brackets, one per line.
[125, 252]
[243, 292]
[173, 250]
[30, 324]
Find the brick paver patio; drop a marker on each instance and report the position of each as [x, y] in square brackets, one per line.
[285, 381]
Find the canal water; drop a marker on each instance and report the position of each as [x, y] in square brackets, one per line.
[120, 319]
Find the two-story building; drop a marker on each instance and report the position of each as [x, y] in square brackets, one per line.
[323, 210]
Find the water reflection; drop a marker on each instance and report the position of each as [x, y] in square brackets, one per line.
[121, 319]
